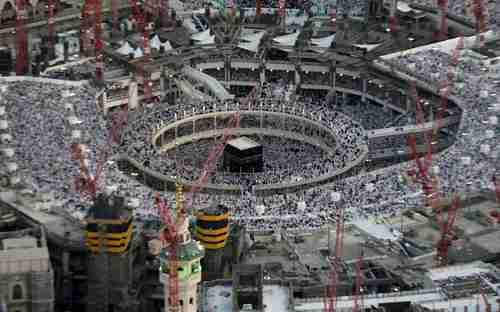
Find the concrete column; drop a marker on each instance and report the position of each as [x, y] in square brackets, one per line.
[263, 74]
[297, 75]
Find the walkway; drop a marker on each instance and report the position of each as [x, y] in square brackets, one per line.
[209, 82]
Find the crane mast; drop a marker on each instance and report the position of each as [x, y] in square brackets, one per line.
[21, 38]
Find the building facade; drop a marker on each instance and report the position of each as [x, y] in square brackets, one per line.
[26, 276]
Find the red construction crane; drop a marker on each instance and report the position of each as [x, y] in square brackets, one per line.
[169, 236]
[358, 297]
[51, 25]
[479, 9]
[393, 19]
[447, 84]
[258, 8]
[446, 229]
[216, 152]
[143, 25]
[485, 300]
[430, 137]
[91, 28]
[21, 38]
[99, 44]
[89, 184]
[86, 23]
[282, 11]
[421, 174]
[335, 263]
[443, 29]
[430, 183]
[214, 155]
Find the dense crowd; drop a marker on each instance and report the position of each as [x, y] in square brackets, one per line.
[37, 114]
[347, 137]
[39, 121]
[465, 9]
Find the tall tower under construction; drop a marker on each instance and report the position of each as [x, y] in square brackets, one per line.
[110, 274]
[188, 255]
[212, 230]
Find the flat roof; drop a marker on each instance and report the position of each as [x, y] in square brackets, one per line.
[19, 243]
[243, 143]
[220, 298]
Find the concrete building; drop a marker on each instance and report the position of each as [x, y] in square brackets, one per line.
[26, 276]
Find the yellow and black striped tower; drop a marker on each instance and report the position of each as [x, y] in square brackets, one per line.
[109, 232]
[212, 231]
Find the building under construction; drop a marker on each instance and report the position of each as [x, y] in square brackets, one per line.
[113, 250]
[212, 231]
[182, 156]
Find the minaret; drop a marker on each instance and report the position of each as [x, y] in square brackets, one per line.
[189, 254]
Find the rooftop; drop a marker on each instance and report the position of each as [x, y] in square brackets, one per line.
[220, 298]
[243, 143]
[19, 243]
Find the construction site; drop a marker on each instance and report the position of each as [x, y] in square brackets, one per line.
[249, 155]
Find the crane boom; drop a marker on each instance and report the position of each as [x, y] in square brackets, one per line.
[170, 235]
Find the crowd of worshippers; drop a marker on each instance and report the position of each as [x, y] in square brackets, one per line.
[346, 138]
[38, 131]
[465, 9]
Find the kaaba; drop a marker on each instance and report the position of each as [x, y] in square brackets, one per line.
[243, 155]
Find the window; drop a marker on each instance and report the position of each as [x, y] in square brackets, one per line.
[191, 300]
[181, 303]
[17, 292]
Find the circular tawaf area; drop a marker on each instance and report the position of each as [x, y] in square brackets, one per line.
[284, 160]
[300, 148]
